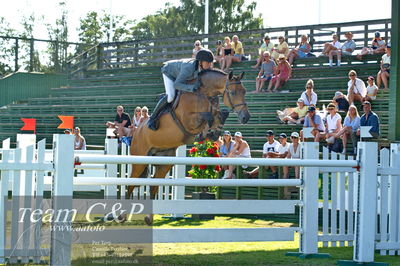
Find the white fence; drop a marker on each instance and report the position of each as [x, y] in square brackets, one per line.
[351, 202]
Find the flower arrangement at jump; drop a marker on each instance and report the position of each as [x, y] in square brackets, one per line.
[205, 148]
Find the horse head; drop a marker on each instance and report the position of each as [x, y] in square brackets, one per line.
[234, 97]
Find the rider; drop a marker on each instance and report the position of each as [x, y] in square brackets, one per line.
[176, 75]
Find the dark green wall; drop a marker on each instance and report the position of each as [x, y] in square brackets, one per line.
[22, 86]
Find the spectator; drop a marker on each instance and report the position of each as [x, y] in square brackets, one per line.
[341, 101]
[282, 149]
[241, 149]
[228, 53]
[267, 71]
[145, 114]
[137, 116]
[80, 142]
[269, 148]
[377, 46]
[350, 126]
[219, 52]
[301, 50]
[333, 124]
[347, 49]
[372, 90]
[330, 47]
[298, 114]
[121, 123]
[384, 72]
[197, 47]
[237, 49]
[281, 49]
[226, 145]
[309, 96]
[313, 120]
[293, 153]
[348, 46]
[356, 88]
[283, 73]
[67, 131]
[369, 118]
[265, 47]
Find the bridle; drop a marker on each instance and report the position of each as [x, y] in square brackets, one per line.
[228, 83]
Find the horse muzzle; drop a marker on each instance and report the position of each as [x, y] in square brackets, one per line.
[244, 116]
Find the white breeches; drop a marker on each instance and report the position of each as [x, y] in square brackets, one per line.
[169, 88]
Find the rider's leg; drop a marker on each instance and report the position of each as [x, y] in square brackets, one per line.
[168, 98]
[169, 88]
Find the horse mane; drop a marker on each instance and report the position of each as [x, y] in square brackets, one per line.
[212, 70]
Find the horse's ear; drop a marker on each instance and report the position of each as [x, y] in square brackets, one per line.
[230, 75]
[241, 75]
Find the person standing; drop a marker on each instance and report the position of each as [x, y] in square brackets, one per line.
[79, 142]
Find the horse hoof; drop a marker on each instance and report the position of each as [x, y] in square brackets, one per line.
[148, 221]
[121, 218]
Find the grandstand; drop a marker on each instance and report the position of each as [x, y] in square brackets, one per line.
[128, 74]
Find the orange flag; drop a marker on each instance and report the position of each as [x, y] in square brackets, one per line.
[67, 122]
[29, 124]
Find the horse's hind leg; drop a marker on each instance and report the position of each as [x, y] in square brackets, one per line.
[161, 172]
[138, 170]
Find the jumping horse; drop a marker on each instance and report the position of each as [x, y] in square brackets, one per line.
[186, 121]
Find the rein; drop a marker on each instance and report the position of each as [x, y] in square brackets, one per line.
[229, 96]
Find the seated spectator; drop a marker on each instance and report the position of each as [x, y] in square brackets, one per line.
[383, 74]
[356, 90]
[372, 90]
[281, 49]
[341, 101]
[67, 132]
[314, 121]
[197, 47]
[265, 47]
[333, 124]
[349, 45]
[269, 148]
[266, 72]
[137, 116]
[369, 118]
[293, 153]
[298, 114]
[347, 49]
[241, 149]
[237, 47]
[121, 123]
[309, 96]
[80, 142]
[350, 126]
[331, 46]
[301, 50]
[282, 149]
[282, 74]
[377, 46]
[219, 52]
[227, 54]
[226, 145]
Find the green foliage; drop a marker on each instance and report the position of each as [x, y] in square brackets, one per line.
[205, 149]
[95, 28]
[188, 18]
[7, 48]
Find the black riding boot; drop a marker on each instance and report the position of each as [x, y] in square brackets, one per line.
[153, 121]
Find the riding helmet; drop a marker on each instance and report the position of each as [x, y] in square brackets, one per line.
[205, 55]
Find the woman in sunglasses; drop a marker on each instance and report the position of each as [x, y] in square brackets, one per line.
[197, 47]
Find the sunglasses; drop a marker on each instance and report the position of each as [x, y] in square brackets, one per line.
[144, 111]
[119, 110]
[197, 44]
[309, 87]
[294, 137]
[352, 75]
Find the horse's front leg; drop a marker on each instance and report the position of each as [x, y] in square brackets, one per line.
[161, 172]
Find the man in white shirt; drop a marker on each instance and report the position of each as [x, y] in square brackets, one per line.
[356, 90]
[269, 150]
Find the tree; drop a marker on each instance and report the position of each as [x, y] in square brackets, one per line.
[7, 47]
[58, 33]
[188, 18]
[95, 28]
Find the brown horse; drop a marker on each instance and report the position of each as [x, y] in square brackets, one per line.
[190, 119]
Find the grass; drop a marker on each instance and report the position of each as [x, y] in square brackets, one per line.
[241, 253]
